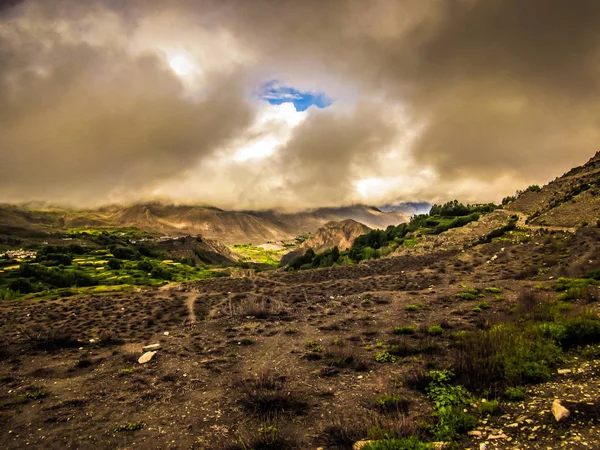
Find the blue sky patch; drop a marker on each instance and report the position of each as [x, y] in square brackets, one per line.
[276, 93]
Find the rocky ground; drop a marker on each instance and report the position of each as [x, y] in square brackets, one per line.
[291, 357]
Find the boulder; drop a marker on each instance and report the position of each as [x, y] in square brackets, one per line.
[559, 411]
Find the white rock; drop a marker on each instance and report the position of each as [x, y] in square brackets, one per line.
[166, 333]
[559, 411]
[146, 357]
[564, 371]
[491, 437]
[151, 347]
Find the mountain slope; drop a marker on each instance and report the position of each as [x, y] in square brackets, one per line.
[568, 201]
[332, 234]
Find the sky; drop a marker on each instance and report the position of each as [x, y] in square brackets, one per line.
[255, 104]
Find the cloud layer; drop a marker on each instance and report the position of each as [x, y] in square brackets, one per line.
[474, 98]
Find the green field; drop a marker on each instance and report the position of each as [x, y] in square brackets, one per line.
[108, 260]
[252, 253]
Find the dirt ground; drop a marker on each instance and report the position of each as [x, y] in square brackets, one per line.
[231, 348]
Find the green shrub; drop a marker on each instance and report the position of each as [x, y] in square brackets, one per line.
[412, 308]
[452, 422]
[443, 393]
[34, 395]
[581, 331]
[144, 265]
[506, 354]
[405, 330]
[435, 330]
[514, 394]
[493, 290]
[484, 305]
[21, 285]
[314, 346]
[469, 294]
[450, 401]
[114, 264]
[385, 357]
[490, 407]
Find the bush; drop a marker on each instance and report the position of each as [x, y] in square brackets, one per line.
[114, 264]
[144, 265]
[405, 330]
[493, 290]
[452, 422]
[412, 308]
[514, 394]
[385, 357]
[22, 285]
[122, 252]
[161, 272]
[504, 354]
[581, 331]
[489, 407]
[435, 330]
[449, 401]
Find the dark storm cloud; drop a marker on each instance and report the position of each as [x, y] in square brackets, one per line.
[80, 122]
[501, 86]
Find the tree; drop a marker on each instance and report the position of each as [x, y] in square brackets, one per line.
[144, 265]
[335, 254]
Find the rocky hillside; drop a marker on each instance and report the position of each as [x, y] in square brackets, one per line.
[569, 201]
[332, 234]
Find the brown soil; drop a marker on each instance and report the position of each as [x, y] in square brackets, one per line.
[293, 349]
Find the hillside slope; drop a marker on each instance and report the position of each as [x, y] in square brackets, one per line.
[568, 201]
[332, 234]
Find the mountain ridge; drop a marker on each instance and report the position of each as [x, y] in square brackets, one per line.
[214, 223]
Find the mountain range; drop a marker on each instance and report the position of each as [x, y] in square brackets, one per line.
[229, 227]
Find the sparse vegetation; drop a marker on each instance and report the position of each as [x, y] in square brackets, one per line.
[129, 426]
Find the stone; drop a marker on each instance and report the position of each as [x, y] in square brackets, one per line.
[146, 357]
[360, 444]
[440, 445]
[492, 437]
[475, 433]
[564, 371]
[559, 411]
[151, 347]
[482, 446]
